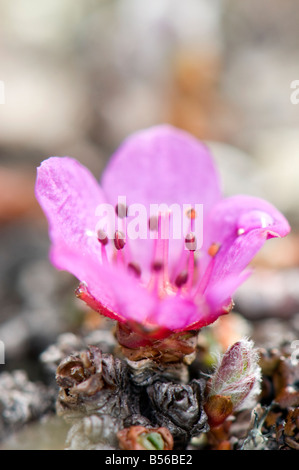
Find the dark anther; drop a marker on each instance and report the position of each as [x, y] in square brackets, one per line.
[181, 279]
[102, 237]
[121, 210]
[135, 269]
[119, 240]
[153, 223]
[157, 266]
[190, 242]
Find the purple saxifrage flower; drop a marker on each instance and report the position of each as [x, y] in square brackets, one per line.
[155, 285]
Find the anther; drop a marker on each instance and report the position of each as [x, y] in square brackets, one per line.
[119, 240]
[241, 231]
[181, 279]
[213, 250]
[153, 223]
[191, 214]
[121, 210]
[190, 242]
[102, 237]
[135, 269]
[157, 266]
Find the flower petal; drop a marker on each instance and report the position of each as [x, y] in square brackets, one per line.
[241, 225]
[108, 287]
[177, 313]
[218, 295]
[217, 300]
[69, 195]
[162, 165]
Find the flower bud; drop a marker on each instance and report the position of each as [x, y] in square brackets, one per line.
[235, 382]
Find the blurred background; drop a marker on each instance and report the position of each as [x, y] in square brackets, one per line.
[80, 76]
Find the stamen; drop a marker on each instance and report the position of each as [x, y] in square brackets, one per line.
[212, 251]
[153, 223]
[160, 282]
[161, 243]
[102, 237]
[190, 242]
[119, 240]
[205, 278]
[191, 214]
[214, 248]
[191, 265]
[156, 280]
[121, 210]
[191, 245]
[157, 266]
[164, 236]
[135, 269]
[181, 279]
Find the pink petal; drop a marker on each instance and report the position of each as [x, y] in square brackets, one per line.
[218, 295]
[162, 165]
[176, 313]
[92, 274]
[108, 287]
[69, 195]
[241, 225]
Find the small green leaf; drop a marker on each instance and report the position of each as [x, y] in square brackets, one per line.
[152, 441]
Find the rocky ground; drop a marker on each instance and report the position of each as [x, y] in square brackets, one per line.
[29, 408]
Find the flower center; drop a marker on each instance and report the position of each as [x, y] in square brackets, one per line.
[163, 280]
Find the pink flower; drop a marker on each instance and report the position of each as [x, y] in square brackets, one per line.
[156, 286]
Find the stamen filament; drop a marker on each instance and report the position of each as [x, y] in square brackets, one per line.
[191, 264]
[212, 251]
[165, 248]
[182, 262]
[159, 280]
[103, 239]
[122, 212]
[104, 254]
[205, 279]
[181, 280]
[119, 243]
[156, 280]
